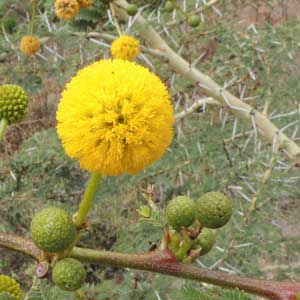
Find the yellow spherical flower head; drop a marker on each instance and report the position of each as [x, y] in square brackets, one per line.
[10, 287]
[85, 3]
[115, 117]
[29, 45]
[125, 47]
[66, 9]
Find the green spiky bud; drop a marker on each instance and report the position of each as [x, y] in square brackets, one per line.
[6, 296]
[169, 6]
[69, 274]
[181, 212]
[194, 21]
[214, 209]
[10, 287]
[132, 9]
[52, 229]
[205, 240]
[13, 103]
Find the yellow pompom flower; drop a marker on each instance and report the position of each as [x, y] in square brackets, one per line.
[85, 3]
[29, 45]
[66, 9]
[125, 47]
[115, 117]
[10, 286]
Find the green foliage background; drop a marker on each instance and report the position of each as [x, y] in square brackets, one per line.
[203, 156]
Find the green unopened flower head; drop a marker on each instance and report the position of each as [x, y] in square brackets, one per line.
[214, 209]
[13, 103]
[194, 21]
[52, 229]
[10, 287]
[169, 6]
[132, 9]
[181, 212]
[205, 240]
[69, 274]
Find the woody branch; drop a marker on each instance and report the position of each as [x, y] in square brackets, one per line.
[164, 262]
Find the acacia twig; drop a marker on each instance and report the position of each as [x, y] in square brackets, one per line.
[110, 38]
[199, 103]
[164, 262]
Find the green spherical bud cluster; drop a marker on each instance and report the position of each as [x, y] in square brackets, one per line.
[192, 224]
[205, 241]
[13, 103]
[9, 287]
[52, 229]
[69, 274]
[132, 9]
[194, 21]
[214, 209]
[181, 212]
[169, 6]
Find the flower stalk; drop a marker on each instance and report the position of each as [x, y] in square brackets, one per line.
[3, 125]
[88, 198]
[32, 21]
[115, 19]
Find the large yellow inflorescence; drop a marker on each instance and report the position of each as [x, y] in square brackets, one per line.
[10, 286]
[125, 47]
[29, 45]
[85, 3]
[66, 9]
[115, 117]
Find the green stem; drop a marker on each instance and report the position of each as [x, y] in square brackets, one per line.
[115, 19]
[88, 198]
[3, 125]
[33, 13]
